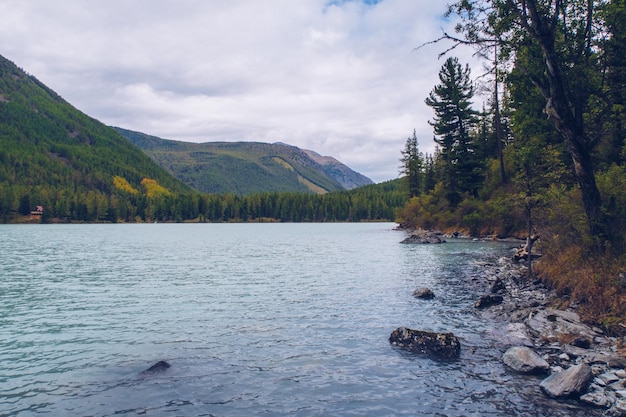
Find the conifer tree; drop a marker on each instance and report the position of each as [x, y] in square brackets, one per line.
[454, 120]
[413, 166]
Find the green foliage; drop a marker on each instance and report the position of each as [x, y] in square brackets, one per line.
[565, 144]
[244, 168]
[413, 166]
[55, 156]
[453, 122]
[79, 170]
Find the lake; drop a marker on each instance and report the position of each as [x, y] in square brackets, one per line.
[255, 320]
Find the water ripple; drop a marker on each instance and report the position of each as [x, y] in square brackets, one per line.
[266, 320]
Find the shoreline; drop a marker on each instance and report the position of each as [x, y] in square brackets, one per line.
[558, 336]
[556, 339]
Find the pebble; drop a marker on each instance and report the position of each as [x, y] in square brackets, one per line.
[608, 378]
[595, 398]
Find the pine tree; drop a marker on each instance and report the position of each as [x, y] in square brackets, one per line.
[454, 120]
[413, 166]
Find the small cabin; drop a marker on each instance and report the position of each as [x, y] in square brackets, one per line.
[37, 212]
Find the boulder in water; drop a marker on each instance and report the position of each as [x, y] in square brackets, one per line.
[423, 293]
[160, 366]
[524, 360]
[573, 381]
[437, 345]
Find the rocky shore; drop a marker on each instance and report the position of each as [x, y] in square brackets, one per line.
[571, 358]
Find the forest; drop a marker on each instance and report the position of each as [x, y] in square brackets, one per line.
[78, 170]
[545, 158]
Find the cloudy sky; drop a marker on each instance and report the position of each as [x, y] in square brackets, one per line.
[339, 77]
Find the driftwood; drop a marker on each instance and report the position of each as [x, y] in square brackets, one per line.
[525, 251]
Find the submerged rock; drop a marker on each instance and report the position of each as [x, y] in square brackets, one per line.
[160, 366]
[571, 382]
[438, 345]
[524, 360]
[423, 293]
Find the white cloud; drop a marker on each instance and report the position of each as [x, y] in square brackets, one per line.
[339, 77]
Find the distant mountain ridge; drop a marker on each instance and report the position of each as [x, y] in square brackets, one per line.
[341, 173]
[247, 167]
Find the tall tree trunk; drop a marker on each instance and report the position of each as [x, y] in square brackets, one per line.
[498, 121]
[563, 114]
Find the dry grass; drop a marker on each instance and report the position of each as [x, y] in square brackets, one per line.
[590, 281]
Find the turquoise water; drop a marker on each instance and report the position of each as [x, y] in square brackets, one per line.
[255, 319]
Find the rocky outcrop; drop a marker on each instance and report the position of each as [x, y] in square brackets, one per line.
[572, 382]
[436, 345]
[424, 293]
[424, 237]
[524, 360]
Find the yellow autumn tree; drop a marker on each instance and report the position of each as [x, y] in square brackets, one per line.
[153, 188]
[121, 184]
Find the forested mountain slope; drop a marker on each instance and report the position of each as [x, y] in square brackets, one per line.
[246, 168]
[58, 164]
[53, 155]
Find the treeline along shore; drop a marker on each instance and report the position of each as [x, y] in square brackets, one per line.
[369, 203]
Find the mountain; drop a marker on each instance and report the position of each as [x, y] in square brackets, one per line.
[345, 176]
[54, 156]
[57, 164]
[246, 168]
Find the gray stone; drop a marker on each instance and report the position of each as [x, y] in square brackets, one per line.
[574, 381]
[617, 361]
[438, 345]
[488, 301]
[159, 367]
[619, 408]
[524, 360]
[608, 378]
[516, 335]
[424, 293]
[597, 398]
[424, 237]
[552, 323]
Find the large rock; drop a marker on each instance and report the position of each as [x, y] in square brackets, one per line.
[572, 382]
[551, 324]
[524, 360]
[488, 301]
[438, 345]
[424, 293]
[424, 237]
